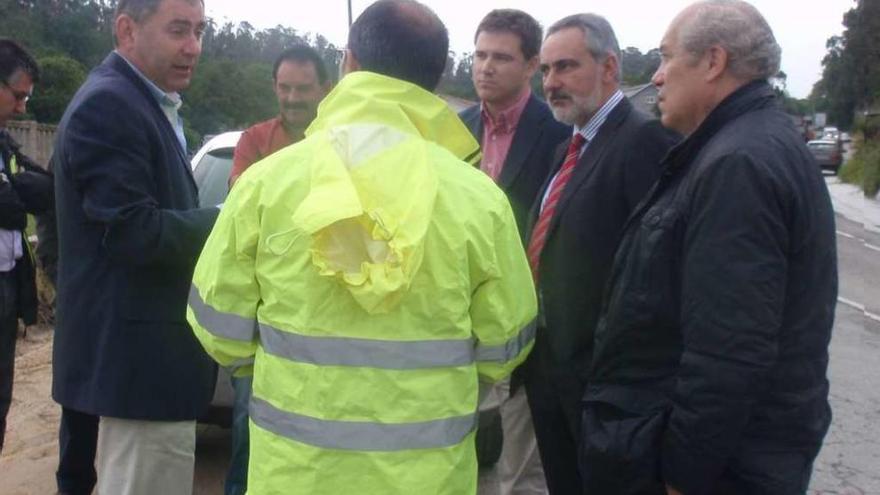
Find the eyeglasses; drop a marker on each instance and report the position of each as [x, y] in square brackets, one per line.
[18, 95]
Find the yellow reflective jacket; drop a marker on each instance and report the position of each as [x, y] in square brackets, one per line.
[372, 277]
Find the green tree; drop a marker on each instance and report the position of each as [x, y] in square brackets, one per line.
[638, 68]
[60, 77]
[851, 67]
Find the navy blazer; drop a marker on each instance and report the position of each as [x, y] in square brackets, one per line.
[612, 176]
[530, 157]
[129, 233]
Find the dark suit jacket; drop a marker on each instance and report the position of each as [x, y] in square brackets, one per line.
[530, 157]
[129, 234]
[614, 173]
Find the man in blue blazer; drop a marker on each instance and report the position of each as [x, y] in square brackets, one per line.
[518, 136]
[130, 232]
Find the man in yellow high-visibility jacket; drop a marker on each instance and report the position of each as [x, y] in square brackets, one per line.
[369, 277]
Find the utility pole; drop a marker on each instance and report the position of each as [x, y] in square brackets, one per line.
[349, 13]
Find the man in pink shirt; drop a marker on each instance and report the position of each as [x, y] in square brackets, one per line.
[519, 137]
[300, 83]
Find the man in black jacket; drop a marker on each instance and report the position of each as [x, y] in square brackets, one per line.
[24, 188]
[710, 359]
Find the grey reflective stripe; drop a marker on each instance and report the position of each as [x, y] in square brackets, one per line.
[508, 350]
[225, 325]
[370, 353]
[361, 435]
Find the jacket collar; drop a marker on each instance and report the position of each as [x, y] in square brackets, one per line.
[752, 96]
[528, 131]
[369, 97]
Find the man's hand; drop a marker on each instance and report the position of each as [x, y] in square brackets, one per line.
[672, 491]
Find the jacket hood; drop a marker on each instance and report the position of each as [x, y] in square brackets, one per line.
[371, 198]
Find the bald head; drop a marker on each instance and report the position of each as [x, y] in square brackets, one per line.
[735, 26]
[402, 39]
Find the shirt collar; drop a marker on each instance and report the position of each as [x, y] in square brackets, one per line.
[592, 127]
[507, 119]
[168, 100]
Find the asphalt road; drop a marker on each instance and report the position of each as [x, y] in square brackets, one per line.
[849, 463]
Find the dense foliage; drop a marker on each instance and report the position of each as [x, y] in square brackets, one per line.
[850, 81]
[849, 90]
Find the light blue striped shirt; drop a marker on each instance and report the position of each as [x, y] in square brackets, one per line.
[169, 103]
[590, 130]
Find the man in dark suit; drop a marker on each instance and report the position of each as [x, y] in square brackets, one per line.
[129, 235]
[505, 59]
[518, 135]
[604, 170]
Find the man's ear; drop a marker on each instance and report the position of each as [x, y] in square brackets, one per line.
[350, 62]
[532, 65]
[716, 60]
[125, 27]
[610, 69]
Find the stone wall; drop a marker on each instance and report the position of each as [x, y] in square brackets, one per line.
[37, 140]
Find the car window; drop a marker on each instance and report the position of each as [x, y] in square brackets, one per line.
[212, 176]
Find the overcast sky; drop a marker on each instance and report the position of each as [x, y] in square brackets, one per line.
[801, 28]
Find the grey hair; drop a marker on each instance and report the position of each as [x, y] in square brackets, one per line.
[599, 36]
[738, 28]
[139, 10]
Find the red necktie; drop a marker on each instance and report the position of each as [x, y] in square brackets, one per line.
[539, 233]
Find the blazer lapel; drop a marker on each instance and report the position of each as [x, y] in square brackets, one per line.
[121, 65]
[591, 158]
[528, 132]
[474, 123]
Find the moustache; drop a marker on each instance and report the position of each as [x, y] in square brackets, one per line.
[296, 106]
[558, 95]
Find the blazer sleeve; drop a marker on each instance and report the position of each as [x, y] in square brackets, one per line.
[111, 161]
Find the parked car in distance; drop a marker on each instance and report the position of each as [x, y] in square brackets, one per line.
[830, 134]
[827, 152]
[211, 166]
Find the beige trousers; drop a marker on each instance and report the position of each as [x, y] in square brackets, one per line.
[519, 470]
[145, 457]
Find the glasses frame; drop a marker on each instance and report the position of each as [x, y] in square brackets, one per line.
[19, 96]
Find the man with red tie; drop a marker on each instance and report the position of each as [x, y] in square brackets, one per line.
[602, 172]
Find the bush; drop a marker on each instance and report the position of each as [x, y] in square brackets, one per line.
[871, 173]
[863, 169]
[851, 171]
